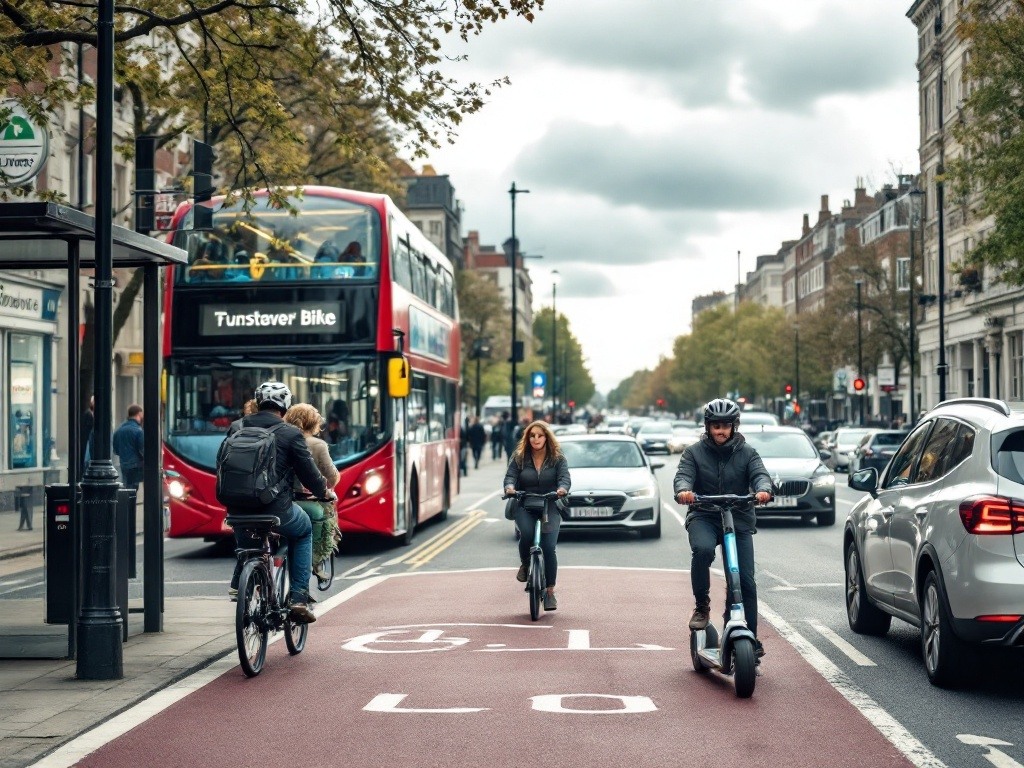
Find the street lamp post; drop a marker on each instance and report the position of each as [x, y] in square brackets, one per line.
[514, 252]
[860, 357]
[915, 195]
[481, 349]
[796, 357]
[555, 276]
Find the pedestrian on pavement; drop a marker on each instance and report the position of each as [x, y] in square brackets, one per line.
[721, 462]
[464, 447]
[497, 439]
[538, 466]
[128, 442]
[477, 440]
[508, 434]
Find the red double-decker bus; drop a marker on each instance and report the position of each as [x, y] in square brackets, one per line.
[324, 300]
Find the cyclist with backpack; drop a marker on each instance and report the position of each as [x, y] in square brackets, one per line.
[256, 469]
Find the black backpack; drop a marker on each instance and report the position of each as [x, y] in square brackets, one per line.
[247, 468]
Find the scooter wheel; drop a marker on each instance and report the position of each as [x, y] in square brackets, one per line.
[695, 646]
[744, 667]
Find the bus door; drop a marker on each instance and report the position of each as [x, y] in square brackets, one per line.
[401, 478]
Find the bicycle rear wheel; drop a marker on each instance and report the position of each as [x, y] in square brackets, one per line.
[535, 586]
[251, 617]
[327, 567]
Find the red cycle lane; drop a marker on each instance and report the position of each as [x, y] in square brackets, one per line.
[446, 669]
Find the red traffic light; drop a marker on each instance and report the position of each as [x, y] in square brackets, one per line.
[789, 389]
[858, 384]
[661, 402]
[572, 403]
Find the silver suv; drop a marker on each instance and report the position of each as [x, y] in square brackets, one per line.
[939, 542]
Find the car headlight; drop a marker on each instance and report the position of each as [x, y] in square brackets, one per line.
[822, 477]
[644, 493]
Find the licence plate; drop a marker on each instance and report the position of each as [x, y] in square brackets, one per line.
[592, 512]
[783, 502]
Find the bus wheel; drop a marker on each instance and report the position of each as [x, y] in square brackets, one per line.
[411, 512]
[446, 500]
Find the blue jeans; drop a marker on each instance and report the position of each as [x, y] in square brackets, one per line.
[298, 531]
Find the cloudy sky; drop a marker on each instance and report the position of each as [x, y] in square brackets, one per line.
[659, 137]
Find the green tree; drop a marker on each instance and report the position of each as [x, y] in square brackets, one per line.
[987, 174]
[251, 70]
[571, 368]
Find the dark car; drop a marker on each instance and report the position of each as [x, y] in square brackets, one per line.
[655, 436]
[803, 485]
[876, 449]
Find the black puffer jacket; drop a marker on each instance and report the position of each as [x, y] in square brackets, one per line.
[293, 459]
[735, 467]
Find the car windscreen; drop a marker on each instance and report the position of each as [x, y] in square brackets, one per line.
[888, 438]
[782, 445]
[585, 454]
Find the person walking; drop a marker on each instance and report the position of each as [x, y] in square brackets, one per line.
[464, 447]
[497, 440]
[128, 443]
[508, 434]
[477, 440]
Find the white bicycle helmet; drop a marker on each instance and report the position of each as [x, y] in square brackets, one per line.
[275, 392]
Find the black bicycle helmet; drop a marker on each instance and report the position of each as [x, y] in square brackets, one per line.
[274, 392]
[722, 409]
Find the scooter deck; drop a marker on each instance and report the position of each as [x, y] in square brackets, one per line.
[710, 654]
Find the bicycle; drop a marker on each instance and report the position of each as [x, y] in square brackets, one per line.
[536, 582]
[262, 605]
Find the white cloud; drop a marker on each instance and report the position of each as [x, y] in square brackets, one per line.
[659, 138]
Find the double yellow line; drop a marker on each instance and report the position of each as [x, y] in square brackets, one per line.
[432, 547]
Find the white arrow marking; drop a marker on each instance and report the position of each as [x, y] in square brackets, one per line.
[995, 756]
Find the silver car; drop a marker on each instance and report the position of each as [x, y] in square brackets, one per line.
[844, 443]
[613, 485]
[939, 539]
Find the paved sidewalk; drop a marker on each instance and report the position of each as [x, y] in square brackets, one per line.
[14, 542]
[45, 705]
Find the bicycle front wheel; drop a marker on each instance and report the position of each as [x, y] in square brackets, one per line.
[252, 617]
[326, 568]
[536, 585]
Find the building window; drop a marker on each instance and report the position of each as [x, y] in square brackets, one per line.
[1016, 365]
[903, 274]
[24, 372]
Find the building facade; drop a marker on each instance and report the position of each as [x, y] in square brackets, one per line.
[431, 205]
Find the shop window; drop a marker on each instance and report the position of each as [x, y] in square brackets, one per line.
[25, 366]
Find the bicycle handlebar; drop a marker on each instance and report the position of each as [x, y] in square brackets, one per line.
[521, 494]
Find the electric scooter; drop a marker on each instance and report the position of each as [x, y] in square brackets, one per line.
[732, 654]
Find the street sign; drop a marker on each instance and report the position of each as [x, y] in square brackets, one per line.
[886, 376]
[538, 379]
[538, 391]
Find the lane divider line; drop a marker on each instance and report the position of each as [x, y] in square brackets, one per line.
[855, 656]
[679, 518]
[916, 752]
[472, 517]
[454, 533]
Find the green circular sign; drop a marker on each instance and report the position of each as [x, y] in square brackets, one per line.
[24, 147]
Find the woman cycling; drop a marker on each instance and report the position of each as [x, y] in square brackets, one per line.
[538, 466]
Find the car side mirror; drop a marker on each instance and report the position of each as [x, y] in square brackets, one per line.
[865, 480]
[825, 455]
[657, 465]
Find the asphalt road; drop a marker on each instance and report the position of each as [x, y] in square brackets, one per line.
[875, 681]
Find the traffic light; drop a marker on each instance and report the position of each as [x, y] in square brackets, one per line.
[202, 185]
[145, 183]
[858, 384]
[572, 404]
[789, 391]
[661, 402]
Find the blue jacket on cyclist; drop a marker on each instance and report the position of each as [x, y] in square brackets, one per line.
[273, 399]
[538, 466]
[721, 462]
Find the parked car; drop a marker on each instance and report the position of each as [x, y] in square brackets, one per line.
[653, 436]
[752, 418]
[875, 449]
[613, 425]
[613, 485]
[938, 539]
[569, 429]
[683, 436]
[844, 442]
[803, 485]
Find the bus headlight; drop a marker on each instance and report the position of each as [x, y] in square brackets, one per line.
[373, 483]
[177, 489]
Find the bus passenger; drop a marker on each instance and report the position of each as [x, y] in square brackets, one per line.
[354, 260]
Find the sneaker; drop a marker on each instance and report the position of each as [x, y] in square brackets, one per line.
[701, 616]
[521, 576]
[550, 601]
[301, 613]
[320, 573]
[233, 594]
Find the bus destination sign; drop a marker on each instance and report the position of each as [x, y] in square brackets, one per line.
[249, 320]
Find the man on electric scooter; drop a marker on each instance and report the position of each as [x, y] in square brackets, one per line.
[721, 462]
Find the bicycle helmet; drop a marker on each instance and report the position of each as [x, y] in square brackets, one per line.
[722, 409]
[274, 392]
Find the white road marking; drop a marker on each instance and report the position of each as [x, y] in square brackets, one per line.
[24, 586]
[359, 567]
[856, 656]
[995, 756]
[784, 586]
[675, 514]
[886, 724]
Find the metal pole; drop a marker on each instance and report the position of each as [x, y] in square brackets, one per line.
[74, 442]
[860, 359]
[514, 255]
[100, 651]
[554, 354]
[796, 354]
[152, 503]
[478, 385]
[910, 309]
[940, 201]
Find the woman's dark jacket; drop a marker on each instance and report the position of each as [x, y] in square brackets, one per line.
[735, 467]
[551, 477]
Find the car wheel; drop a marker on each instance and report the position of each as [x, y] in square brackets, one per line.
[865, 617]
[946, 657]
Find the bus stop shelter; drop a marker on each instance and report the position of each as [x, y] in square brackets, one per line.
[42, 235]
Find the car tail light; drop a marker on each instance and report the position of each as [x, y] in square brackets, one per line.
[1000, 618]
[992, 515]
